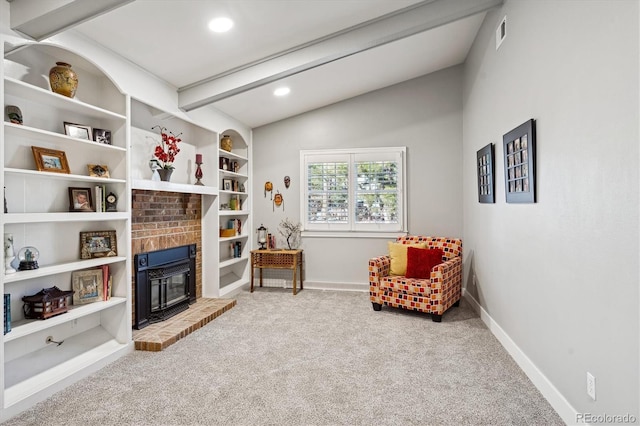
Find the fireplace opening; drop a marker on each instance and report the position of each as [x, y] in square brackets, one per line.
[165, 284]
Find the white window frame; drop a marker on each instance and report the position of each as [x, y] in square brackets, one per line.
[351, 156]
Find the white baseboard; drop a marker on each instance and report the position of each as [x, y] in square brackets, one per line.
[316, 285]
[540, 381]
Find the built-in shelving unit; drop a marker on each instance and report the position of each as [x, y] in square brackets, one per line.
[38, 215]
[234, 181]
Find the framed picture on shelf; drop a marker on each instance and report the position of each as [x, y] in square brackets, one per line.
[224, 163]
[102, 136]
[87, 286]
[98, 244]
[50, 160]
[227, 184]
[77, 131]
[80, 200]
[519, 147]
[98, 170]
[485, 168]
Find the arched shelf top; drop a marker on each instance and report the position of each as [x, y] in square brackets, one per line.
[30, 63]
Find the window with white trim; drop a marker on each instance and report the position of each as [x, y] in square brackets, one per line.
[353, 190]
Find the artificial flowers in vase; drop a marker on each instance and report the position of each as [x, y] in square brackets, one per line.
[166, 152]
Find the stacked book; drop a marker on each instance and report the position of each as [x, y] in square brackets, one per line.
[7, 313]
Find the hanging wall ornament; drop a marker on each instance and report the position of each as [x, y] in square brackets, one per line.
[278, 201]
[268, 187]
[287, 182]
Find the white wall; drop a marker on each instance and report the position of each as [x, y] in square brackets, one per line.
[560, 277]
[424, 114]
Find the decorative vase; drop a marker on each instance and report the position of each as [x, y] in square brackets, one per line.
[165, 174]
[226, 143]
[63, 79]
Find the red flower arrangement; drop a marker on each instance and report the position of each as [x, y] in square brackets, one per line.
[167, 149]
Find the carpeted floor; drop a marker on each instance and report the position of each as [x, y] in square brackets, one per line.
[318, 358]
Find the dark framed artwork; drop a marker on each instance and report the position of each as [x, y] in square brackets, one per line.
[486, 171]
[102, 136]
[98, 244]
[80, 200]
[519, 146]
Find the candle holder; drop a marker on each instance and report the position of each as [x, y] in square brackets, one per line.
[198, 170]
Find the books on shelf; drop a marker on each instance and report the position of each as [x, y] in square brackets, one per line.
[100, 194]
[235, 249]
[7, 313]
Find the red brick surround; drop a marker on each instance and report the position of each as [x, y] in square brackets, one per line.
[161, 220]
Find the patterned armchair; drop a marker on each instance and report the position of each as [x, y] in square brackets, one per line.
[433, 295]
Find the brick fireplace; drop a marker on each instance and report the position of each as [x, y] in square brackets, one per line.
[162, 220]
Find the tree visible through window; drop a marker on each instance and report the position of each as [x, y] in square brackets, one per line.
[353, 190]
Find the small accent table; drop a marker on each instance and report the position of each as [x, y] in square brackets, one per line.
[277, 259]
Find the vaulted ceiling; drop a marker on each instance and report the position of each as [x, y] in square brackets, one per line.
[325, 51]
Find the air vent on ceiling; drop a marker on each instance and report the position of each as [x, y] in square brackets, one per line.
[501, 32]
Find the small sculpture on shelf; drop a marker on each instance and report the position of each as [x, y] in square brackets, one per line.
[28, 257]
[154, 165]
[9, 254]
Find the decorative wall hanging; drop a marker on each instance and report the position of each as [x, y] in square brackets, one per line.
[485, 167]
[287, 182]
[519, 163]
[278, 201]
[268, 187]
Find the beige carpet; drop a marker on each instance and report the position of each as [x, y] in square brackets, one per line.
[318, 358]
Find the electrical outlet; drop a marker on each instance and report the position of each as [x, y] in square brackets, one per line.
[591, 386]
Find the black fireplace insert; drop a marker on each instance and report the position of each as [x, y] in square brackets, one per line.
[165, 284]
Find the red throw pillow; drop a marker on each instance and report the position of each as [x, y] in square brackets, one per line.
[420, 262]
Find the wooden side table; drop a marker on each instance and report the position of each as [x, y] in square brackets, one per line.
[277, 259]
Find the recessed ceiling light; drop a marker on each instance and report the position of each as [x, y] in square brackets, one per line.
[220, 25]
[281, 91]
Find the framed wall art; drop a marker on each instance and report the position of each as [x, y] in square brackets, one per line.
[485, 167]
[98, 244]
[87, 286]
[77, 131]
[519, 146]
[80, 200]
[50, 160]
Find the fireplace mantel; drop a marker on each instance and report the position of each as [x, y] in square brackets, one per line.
[151, 185]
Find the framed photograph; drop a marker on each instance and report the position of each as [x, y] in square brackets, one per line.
[102, 136]
[519, 163]
[80, 200]
[77, 131]
[98, 244]
[227, 185]
[98, 170]
[87, 286]
[485, 167]
[50, 160]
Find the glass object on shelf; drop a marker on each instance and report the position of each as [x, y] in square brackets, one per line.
[28, 257]
[199, 170]
[262, 237]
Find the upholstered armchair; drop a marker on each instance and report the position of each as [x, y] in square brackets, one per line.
[432, 291]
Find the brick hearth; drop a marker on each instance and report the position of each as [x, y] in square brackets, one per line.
[160, 335]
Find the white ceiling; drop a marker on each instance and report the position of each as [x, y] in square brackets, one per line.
[324, 50]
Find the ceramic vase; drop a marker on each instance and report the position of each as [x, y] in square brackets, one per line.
[63, 79]
[226, 143]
